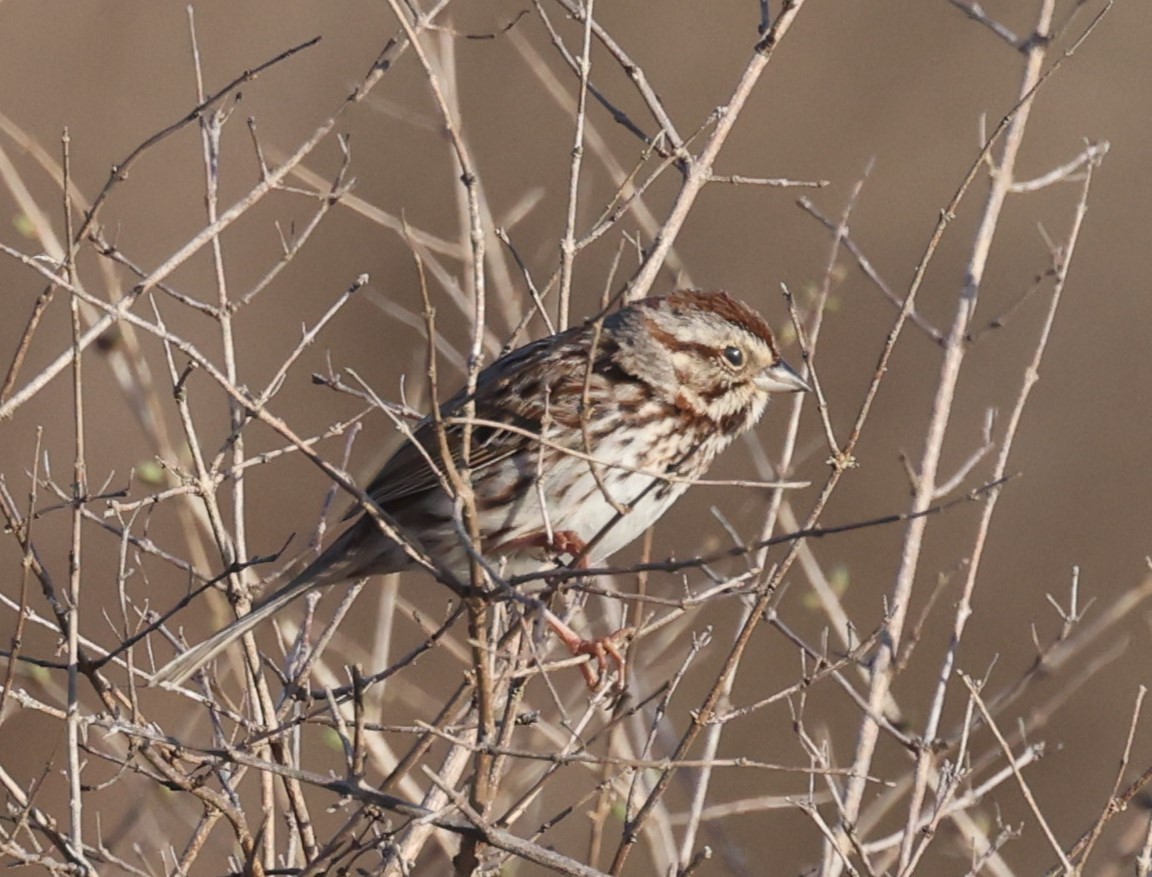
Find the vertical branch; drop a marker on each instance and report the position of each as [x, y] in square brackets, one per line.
[211, 125]
[79, 497]
[23, 532]
[568, 242]
[703, 785]
[478, 609]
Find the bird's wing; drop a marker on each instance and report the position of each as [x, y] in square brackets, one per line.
[408, 472]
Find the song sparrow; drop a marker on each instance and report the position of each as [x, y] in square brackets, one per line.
[606, 425]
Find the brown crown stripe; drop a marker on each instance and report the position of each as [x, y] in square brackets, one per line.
[722, 304]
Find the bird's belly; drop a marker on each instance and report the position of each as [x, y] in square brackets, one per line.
[567, 507]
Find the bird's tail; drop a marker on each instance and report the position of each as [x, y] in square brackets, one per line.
[187, 663]
[337, 563]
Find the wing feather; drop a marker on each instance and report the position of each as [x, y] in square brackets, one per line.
[502, 395]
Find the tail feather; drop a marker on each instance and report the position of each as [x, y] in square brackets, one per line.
[187, 663]
[335, 564]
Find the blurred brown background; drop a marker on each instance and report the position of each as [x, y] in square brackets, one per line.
[903, 85]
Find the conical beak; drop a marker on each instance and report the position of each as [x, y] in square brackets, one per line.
[781, 378]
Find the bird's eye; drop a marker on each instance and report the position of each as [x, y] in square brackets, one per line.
[734, 356]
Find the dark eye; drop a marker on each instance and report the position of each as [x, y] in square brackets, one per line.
[734, 356]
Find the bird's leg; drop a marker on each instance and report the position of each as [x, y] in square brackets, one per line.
[601, 648]
[558, 543]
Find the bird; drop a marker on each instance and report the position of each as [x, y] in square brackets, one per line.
[579, 442]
